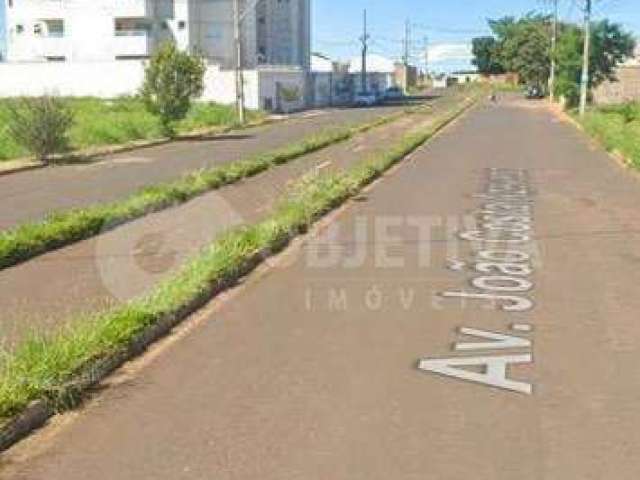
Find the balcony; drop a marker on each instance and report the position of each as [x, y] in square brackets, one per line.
[145, 8]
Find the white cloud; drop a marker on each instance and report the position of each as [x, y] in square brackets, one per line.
[450, 52]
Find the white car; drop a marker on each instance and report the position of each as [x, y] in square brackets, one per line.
[365, 99]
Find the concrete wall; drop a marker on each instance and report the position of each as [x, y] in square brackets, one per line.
[330, 88]
[626, 88]
[263, 87]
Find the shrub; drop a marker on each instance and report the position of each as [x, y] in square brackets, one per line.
[172, 80]
[40, 124]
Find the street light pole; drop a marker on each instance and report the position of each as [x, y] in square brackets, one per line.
[238, 18]
[365, 48]
[237, 40]
[584, 86]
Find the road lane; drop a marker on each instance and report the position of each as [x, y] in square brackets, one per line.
[122, 264]
[306, 373]
[31, 195]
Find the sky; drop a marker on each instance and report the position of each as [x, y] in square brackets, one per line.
[446, 27]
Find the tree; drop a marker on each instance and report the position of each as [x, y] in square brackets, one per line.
[172, 80]
[610, 46]
[40, 125]
[522, 46]
[486, 55]
[526, 51]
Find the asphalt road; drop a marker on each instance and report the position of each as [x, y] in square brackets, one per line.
[123, 263]
[31, 195]
[306, 373]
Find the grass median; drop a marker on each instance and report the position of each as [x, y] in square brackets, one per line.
[64, 228]
[617, 128]
[49, 368]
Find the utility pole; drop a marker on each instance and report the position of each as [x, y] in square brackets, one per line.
[407, 33]
[554, 43]
[407, 54]
[237, 40]
[584, 87]
[426, 54]
[365, 48]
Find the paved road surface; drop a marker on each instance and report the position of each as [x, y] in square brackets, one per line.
[31, 195]
[293, 379]
[91, 274]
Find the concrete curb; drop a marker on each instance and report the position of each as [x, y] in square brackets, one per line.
[84, 156]
[21, 168]
[37, 414]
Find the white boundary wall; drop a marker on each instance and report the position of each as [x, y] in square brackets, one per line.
[117, 78]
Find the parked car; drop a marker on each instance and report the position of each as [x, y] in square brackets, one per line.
[393, 93]
[534, 92]
[365, 99]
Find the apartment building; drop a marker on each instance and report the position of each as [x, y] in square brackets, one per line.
[274, 32]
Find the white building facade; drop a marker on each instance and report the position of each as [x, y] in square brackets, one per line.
[274, 32]
[98, 47]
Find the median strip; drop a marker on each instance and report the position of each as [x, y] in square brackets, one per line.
[49, 374]
[64, 228]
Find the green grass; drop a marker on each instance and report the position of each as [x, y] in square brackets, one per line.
[48, 367]
[63, 228]
[617, 128]
[120, 121]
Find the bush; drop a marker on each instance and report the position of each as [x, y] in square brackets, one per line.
[41, 125]
[172, 80]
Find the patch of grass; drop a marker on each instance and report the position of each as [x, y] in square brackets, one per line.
[48, 368]
[63, 228]
[109, 122]
[617, 128]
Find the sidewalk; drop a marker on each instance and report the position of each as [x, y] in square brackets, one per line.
[30, 195]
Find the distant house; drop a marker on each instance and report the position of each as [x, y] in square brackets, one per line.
[625, 88]
[466, 76]
[406, 76]
[443, 80]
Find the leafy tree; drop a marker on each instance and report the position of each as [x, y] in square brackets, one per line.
[40, 124]
[610, 46]
[523, 46]
[526, 51]
[486, 55]
[172, 80]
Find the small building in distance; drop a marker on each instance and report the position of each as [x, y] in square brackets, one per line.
[381, 72]
[466, 76]
[406, 76]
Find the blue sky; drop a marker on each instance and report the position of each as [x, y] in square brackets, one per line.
[446, 26]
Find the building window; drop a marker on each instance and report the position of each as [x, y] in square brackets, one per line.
[132, 27]
[132, 57]
[182, 25]
[37, 29]
[10, 3]
[55, 27]
[19, 29]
